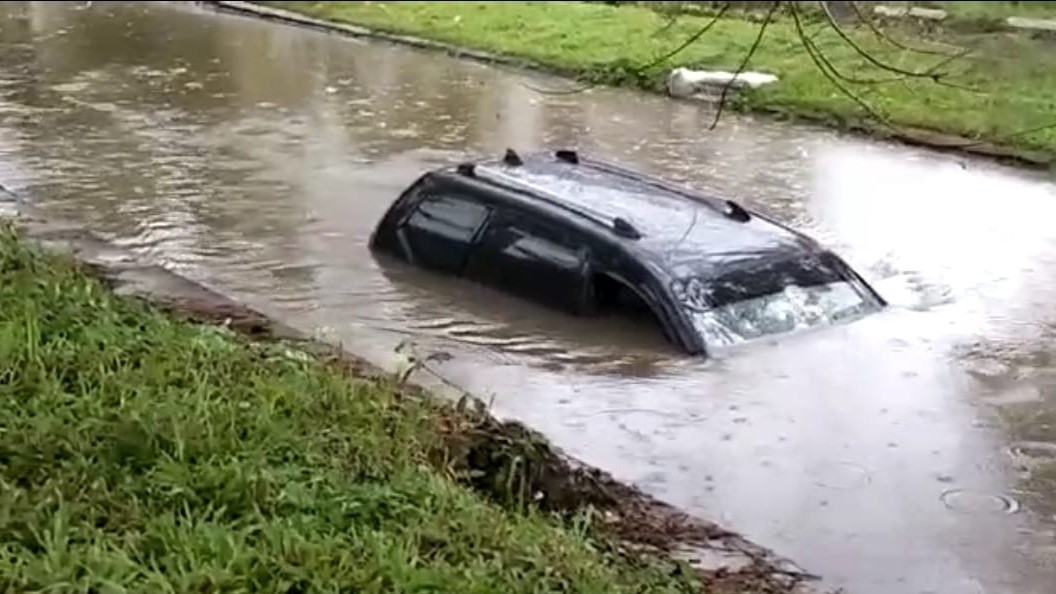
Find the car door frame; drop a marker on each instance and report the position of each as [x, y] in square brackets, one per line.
[485, 259]
[426, 189]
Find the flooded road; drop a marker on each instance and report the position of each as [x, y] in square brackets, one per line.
[911, 452]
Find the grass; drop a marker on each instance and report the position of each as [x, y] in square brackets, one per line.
[1015, 76]
[139, 453]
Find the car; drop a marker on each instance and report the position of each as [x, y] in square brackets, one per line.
[587, 236]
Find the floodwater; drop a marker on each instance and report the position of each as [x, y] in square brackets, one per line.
[910, 452]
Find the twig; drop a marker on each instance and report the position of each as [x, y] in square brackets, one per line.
[880, 34]
[822, 64]
[689, 41]
[931, 73]
[744, 64]
[830, 68]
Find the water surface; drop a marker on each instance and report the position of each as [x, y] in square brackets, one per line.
[909, 452]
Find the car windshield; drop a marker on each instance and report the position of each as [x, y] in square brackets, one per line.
[726, 313]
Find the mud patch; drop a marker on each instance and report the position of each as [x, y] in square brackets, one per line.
[504, 461]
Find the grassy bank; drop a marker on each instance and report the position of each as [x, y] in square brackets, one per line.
[145, 454]
[1013, 76]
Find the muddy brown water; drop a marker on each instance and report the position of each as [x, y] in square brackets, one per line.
[910, 452]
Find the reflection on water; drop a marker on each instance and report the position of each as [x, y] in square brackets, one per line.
[884, 454]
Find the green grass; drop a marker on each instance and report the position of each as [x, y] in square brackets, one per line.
[1015, 75]
[139, 453]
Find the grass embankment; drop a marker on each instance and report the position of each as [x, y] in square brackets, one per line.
[1015, 75]
[139, 453]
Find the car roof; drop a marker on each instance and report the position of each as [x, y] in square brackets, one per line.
[687, 231]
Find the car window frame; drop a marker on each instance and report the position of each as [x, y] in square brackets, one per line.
[538, 225]
[433, 190]
[454, 197]
[514, 216]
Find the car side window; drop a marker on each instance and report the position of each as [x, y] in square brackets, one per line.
[530, 257]
[439, 232]
[452, 217]
[529, 241]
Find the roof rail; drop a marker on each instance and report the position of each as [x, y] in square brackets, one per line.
[567, 156]
[623, 228]
[618, 225]
[512, 158]
[737, 212]
[729, 208]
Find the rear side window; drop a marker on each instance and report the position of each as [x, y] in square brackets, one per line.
[530, 257]
[439, 232]
[530, 241]
[450, 217]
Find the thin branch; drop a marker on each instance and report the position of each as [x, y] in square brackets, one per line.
[689, 41]
[829, 66]
[828, 69]
[823, 64]
[880, 34]
[931, 73]
[744, 64]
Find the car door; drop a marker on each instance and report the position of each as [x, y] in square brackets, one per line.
[444, 224]
[532, 257]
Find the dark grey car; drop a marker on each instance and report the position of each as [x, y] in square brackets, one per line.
[584, 236]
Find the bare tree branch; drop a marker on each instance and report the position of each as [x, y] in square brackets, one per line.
[689, 41]
[744, 64]
[931, 73]
[881, 35]
[823, 64]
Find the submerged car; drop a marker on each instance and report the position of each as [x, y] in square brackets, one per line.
[586, 236]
